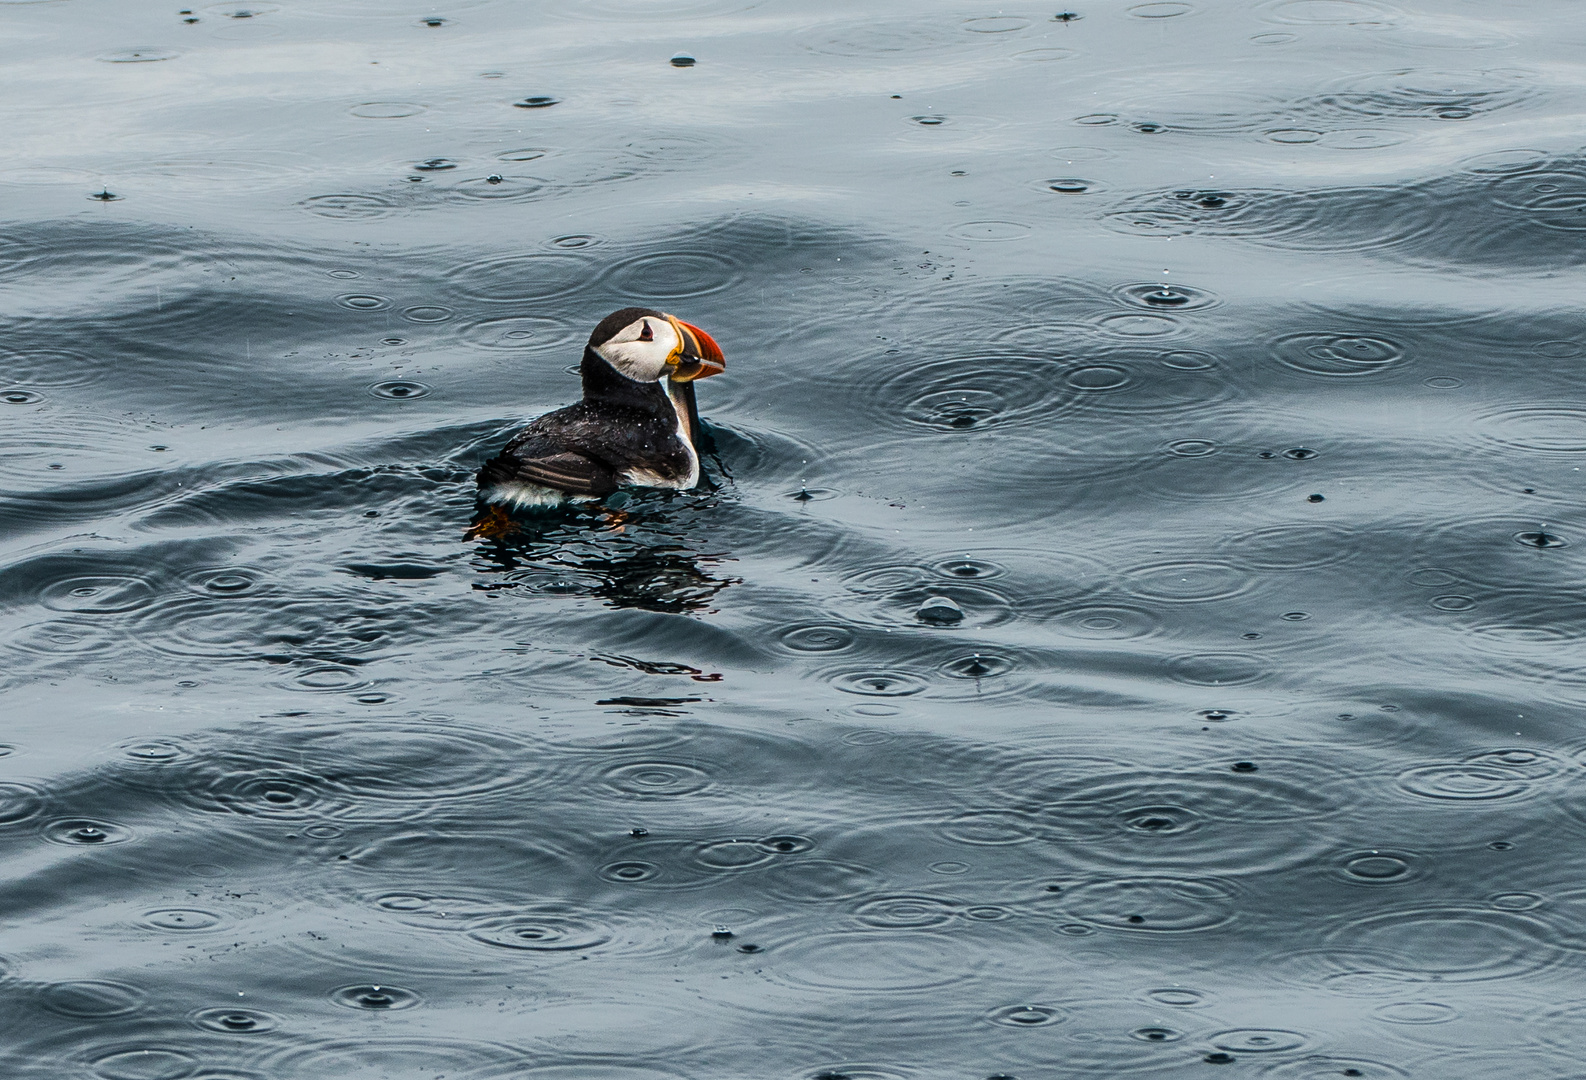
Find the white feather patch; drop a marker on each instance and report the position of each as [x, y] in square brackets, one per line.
[530, 495]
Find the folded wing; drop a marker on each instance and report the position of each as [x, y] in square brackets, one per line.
[542, 461]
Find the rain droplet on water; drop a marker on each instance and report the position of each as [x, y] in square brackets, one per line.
[940, 611]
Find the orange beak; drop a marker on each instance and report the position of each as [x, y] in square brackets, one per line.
[697, 356]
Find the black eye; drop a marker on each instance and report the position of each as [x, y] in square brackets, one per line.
[647, 334]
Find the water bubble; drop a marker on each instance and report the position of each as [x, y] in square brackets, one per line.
[235, 1021]
[1187, 360]
[906, 912]
[537, 101]
[324, 677]
[1540, 538]
[180, 919]
[656, 779]
[1100, 622]
[515, 332]
[1097, 377]
[785, 845]
[878, 683]
[958, 392]
[1179, 997]
[1378, 867]
[98, 594]
[359, 302]
[967, 568]
[548, 932]
[222, 581]
[1532, 764]
[630, 871]
[1154, 295]
[818, 638]
[399, 389]
[1337, 354]
[977, 666]
[1027, 1015]
[1258, 1040]
[1156, 1034]
[374, 997]
[498, 188]
[82, 831]
[682, 60]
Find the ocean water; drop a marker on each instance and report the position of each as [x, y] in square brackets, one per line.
[1132, 625]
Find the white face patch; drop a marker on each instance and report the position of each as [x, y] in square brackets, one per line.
[638, 359]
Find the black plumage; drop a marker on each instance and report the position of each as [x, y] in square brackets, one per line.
[621, 428]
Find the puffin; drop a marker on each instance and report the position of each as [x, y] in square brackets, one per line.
[637, 425]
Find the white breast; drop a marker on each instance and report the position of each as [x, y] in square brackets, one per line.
[642, 477]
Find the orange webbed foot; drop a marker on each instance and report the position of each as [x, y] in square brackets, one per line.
[492, 525]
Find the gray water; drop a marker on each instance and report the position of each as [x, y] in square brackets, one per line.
[1221, 363]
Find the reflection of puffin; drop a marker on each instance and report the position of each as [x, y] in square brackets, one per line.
[637, 425]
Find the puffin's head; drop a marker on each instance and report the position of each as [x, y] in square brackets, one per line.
[647, 345]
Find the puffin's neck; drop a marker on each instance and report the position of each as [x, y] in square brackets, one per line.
[606, 384]
[682, 395]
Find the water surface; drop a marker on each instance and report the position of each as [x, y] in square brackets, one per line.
[1131, 626]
